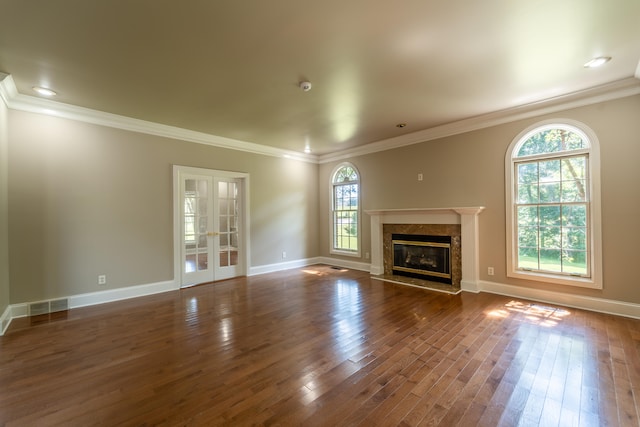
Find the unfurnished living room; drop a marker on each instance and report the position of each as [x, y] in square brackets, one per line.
[320, 214]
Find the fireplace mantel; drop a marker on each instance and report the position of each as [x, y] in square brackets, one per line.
[467, 217]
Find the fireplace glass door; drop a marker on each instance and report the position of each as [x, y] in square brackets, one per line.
[423, 257]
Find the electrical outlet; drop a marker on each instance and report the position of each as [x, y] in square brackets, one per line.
[490, 271]
[284, 254]
[366, 255]
[102, 279]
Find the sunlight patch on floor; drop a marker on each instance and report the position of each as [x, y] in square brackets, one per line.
[535, 313]
[323, 271]
[314, 272]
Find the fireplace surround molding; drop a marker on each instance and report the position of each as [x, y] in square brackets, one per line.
[467, 217]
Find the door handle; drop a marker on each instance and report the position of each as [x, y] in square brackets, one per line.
[212, 233]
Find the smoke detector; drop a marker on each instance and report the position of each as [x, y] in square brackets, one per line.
[305, 86]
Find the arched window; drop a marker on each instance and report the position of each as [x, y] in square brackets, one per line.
[553, 205]
[345, 207]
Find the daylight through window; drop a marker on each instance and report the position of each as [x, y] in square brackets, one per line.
[346, 210]
[551, 204]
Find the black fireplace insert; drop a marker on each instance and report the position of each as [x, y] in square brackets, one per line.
[422, 257]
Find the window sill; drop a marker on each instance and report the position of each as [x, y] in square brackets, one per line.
[345, 253]
[582, 282]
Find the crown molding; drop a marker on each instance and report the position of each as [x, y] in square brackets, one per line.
[614, 90]
[17, 101]
[618, 89]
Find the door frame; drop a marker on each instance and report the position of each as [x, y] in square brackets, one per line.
[245, 255]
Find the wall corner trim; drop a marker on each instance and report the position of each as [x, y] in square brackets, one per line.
[5, 320]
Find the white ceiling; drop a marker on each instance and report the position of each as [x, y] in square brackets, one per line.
[232, 68]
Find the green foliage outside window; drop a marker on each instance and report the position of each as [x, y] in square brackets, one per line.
[552, 204]
[345, 209]
[551, 141]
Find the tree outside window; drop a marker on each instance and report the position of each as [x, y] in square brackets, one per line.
[345, 210]
[550, 206]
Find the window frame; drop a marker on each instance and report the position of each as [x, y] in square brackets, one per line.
[594, 229]
[332, 229]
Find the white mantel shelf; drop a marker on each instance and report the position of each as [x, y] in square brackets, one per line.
[467, 217]
[473, 210]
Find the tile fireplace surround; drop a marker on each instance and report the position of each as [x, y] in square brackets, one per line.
[466, 217]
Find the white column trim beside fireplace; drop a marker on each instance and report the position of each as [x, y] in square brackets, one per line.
[467, 217]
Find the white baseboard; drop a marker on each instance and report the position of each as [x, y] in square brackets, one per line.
[20, 310]
[469, 286]
[15, 311]
[354, 265]
[5, 319]
[281, 266]
[111, 295]
[601, 305]
[83, 300]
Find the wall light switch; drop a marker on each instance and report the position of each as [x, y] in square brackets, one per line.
[420, 177]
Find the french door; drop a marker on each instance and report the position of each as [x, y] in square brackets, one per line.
[211, 226]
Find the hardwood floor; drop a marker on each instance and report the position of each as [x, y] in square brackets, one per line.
[321, 347]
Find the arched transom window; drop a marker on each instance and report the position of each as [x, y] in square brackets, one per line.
[345, 210]
[553, 206]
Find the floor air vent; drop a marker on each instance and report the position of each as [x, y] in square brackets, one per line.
[46, 307]
[59, 305]
[38, 308]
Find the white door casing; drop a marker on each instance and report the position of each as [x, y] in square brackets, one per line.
[210, 225]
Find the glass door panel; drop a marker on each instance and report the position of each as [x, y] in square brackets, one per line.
[210, 228]
[197, 208]
[227, 221]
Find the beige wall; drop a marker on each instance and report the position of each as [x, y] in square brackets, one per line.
[87, 200]
[4, 211]
[468, 170]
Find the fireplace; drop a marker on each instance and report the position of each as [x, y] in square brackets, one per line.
[461, 223]
[422, 257]
[427, 255]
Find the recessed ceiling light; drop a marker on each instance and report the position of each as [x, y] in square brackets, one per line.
[596, 62]
[44, 91]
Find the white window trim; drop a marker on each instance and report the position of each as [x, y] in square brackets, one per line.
[595, 219]
[332, 250]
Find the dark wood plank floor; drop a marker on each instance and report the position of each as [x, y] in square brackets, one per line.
[321, 347]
